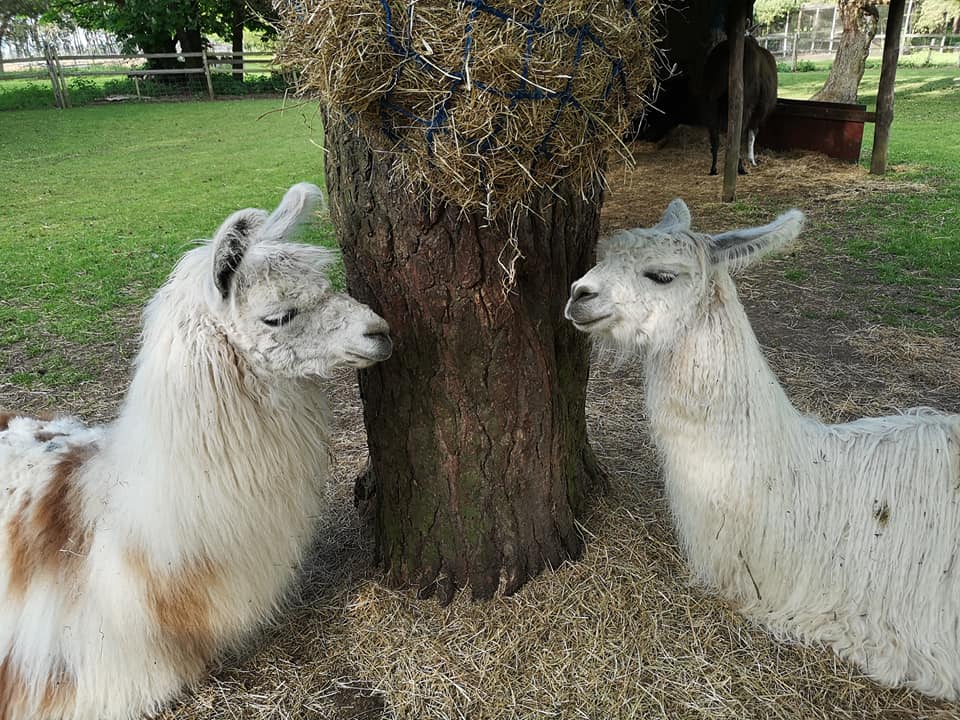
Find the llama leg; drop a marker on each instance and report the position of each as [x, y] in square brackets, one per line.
[751, 137]
[714, 147]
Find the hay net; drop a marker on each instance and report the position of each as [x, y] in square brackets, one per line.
[484, 100]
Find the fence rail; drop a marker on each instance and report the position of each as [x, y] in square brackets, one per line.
[811, 42]
[204, 63]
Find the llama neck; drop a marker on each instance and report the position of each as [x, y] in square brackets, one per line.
[714, 382]
[209, 457]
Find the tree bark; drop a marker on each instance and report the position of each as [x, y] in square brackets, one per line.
[479, 460]
[4, 26]
[860, 20]
[237, 22]
[888, 78]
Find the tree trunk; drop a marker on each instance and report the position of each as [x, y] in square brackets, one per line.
[860, 20]
[161, 45]
[238, 21]
[4, 26]
[191, 41]
[479, 460]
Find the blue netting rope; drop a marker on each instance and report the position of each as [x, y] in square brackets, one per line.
[401, 43]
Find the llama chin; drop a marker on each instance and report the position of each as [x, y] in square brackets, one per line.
[844, 534]
[134, 554]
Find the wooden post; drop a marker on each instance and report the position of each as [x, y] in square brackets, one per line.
[813, 35]
[206, 72]
[64, 90]
[796, 45]
[54, 81]
[737, 26]
[888, 77]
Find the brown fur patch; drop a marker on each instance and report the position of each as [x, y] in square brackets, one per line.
[13, 692]
[46, 436]
[47, 532]
[59, 694]
[180, 603]
[6, 416]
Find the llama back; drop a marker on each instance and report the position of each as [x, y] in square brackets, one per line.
[856, 547]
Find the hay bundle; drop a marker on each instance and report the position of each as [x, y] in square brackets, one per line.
[484, 100]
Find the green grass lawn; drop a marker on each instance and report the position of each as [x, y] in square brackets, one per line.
[99, 202]
[918, 243]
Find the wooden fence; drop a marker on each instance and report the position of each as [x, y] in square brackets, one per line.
[812, 42]
[58, 68]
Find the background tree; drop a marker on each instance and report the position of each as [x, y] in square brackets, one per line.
[860, 20]
[938, 16]
[157, 26]
[11, 10]
[768, 11]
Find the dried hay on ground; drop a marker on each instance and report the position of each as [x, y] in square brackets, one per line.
[678, 166]
[484, 102]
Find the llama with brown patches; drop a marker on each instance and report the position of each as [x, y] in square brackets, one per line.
[132, 555]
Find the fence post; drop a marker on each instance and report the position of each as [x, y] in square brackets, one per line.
[813, 35]
[64, 90]
[796, 46]
[206, 72]
[833, 30]
[54, 82]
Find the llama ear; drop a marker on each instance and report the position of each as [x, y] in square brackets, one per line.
[675, 217]
[230, 243]
[739, 248]
[296, 205]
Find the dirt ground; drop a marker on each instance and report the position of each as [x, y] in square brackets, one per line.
[563, 648]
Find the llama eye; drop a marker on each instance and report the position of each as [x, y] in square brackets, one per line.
[279, 320]
[660, 278]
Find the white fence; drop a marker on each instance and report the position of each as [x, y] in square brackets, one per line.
[784, 45]
[816, 29]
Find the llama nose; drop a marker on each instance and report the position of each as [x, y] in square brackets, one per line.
[378, 336]
[377, 329]
[581, 291]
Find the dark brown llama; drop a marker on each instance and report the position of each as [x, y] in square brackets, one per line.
[759, 95]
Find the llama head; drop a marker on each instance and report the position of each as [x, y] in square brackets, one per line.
[274, 301]
[651, 283]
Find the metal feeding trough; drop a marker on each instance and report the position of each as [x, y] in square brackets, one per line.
[835, 129]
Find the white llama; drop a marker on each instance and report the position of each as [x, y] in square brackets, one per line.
[847, 534]
[131, 555]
